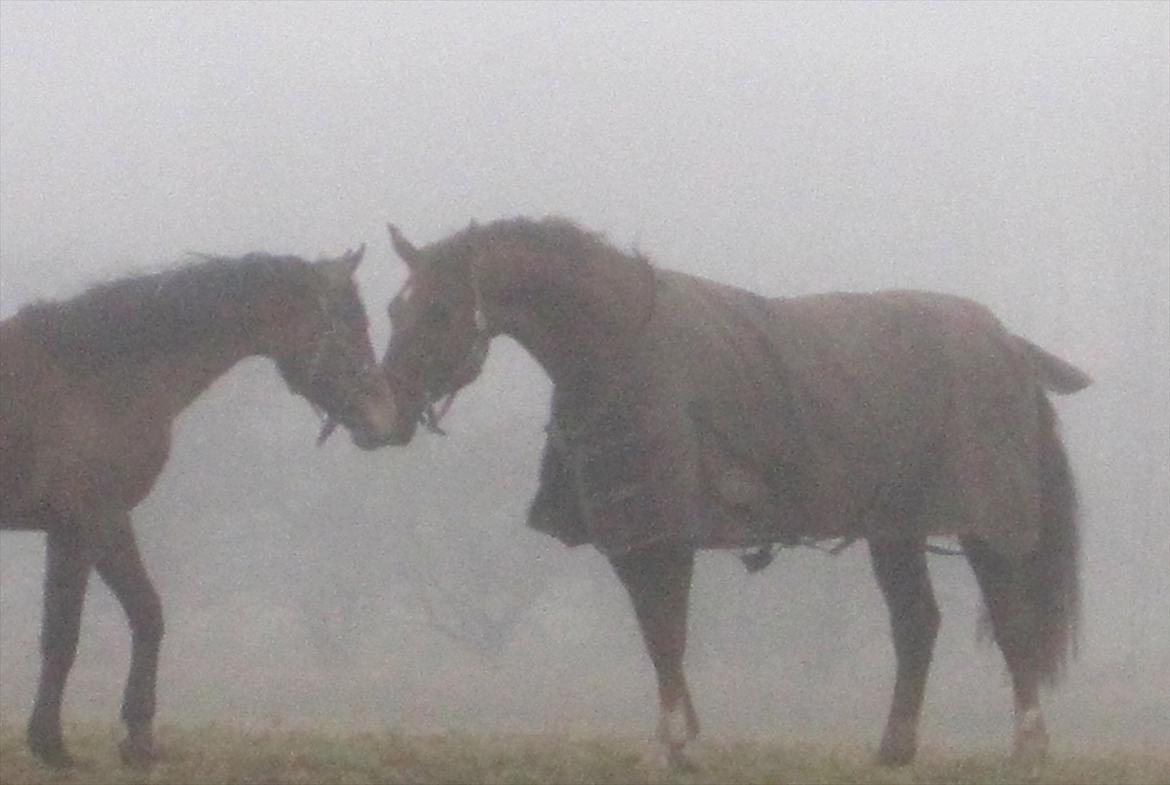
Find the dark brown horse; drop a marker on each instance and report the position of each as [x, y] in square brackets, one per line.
[687, 414]
[89, 389]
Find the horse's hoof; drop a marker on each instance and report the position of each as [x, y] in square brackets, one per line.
[1030, 752]
[670, 759]
[47, 744]
[137, 753]
[896, 752]
[680, 763]
[51, 752]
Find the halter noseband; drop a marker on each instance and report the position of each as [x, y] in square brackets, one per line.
[470, 365]
[329, 421]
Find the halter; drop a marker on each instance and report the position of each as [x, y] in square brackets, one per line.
[470, 365]
[478, 349]
[329, 421]
[314, 366]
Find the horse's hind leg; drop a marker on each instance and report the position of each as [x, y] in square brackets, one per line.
[120, 566]
[659, 582]
[900, 568]
[1001, 581]
[67, 563]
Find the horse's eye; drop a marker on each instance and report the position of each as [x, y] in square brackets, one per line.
[437, 316]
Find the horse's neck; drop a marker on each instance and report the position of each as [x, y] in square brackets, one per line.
[175, 382]
[172, 381]
[574, 317]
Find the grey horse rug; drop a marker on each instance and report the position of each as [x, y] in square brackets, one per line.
[743, 421]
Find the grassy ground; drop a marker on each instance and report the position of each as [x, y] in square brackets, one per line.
[224, 754]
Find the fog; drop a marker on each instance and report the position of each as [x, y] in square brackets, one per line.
[1018, 154]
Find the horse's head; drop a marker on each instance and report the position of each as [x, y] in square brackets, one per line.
[439, 334]
[325, 355]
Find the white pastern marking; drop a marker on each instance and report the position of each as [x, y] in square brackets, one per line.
[1029, 720]
[673, 726]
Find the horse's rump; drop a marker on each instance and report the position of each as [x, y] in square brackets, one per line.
[745, 420]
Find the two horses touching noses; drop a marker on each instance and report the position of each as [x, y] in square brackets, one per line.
[686, 415]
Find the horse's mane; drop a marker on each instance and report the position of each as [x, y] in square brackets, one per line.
[156, 312]
[552, 235]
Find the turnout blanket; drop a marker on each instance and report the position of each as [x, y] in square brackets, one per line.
[740, 421]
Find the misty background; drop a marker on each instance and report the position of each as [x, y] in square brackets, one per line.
[1017, 154]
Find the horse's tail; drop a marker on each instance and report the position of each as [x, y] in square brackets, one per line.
[1051, 572]
[1055, 374]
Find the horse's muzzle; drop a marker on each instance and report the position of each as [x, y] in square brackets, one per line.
[367, 440]
[371, 424]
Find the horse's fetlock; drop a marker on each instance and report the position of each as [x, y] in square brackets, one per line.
[1031, 742]
[137, 750]
[899, 743]
[137, 717]
[47, 744]
[674, 726]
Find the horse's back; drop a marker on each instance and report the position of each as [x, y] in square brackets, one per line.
[895, 413]
[868, 363]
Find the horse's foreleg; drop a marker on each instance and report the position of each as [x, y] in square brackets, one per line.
[1012, 622]
[659, 582]
[67, 563]
[900, 568]
[120, 566]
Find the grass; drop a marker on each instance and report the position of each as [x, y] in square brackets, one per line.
[214, 754]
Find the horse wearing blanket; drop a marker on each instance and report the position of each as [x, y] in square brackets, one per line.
[687, 414]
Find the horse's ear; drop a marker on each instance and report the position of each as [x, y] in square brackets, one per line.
[354, 258]
[403, 247]
[340, 271]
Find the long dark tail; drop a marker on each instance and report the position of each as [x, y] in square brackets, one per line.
[1051, 573]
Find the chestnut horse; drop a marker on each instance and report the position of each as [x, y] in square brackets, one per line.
[688, 414]
[89, 389]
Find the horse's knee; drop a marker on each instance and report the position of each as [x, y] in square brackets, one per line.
[59, 641]
[144, 613]
[915, 635]
[146, 620]
[931, 619]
